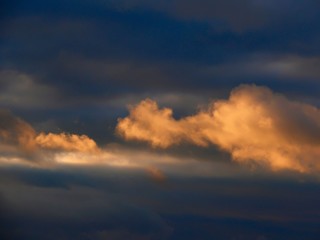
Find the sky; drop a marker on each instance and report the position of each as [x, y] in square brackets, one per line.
[159, 119]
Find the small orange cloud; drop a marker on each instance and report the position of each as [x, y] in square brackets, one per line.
[18, 140]
[67, 142]
[156, 174]
[254, 124]
[15, 131]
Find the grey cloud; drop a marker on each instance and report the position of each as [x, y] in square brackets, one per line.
[19, 90]
[240, 15]
[283, 67]
[72, 214]
[120, 205]
[296, 67]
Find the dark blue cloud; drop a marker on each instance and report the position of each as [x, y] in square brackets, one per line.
[125, 204]
[93, 50]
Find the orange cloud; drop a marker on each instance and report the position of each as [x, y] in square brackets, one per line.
[15, 131]
[156, 174]
[254, 124]
[149, 123]
[18, 141]
[67, 142]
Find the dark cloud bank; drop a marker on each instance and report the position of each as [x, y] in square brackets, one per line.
[115, 204]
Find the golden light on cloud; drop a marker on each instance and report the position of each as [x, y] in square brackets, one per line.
[254, 124]
[20, 142]
[67, 142]
[15, 131]
[156, 174]
[146, 123]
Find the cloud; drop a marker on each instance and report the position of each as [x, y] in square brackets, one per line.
[294, 67]
[285, 67]
[15, 131]
[244, 15]
[253, 125]
[237, 14]
[19, 142]
[67, 142]
[156, 174]
[22, 91]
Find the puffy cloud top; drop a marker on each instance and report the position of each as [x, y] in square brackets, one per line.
[68, 142]
[15, 131]
[254, 124]
[18, 137]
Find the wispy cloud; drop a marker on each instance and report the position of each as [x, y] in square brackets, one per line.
[156, 174]
[21, 90]
[283, 67]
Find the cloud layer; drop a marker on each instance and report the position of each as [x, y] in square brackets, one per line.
[253, 125]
